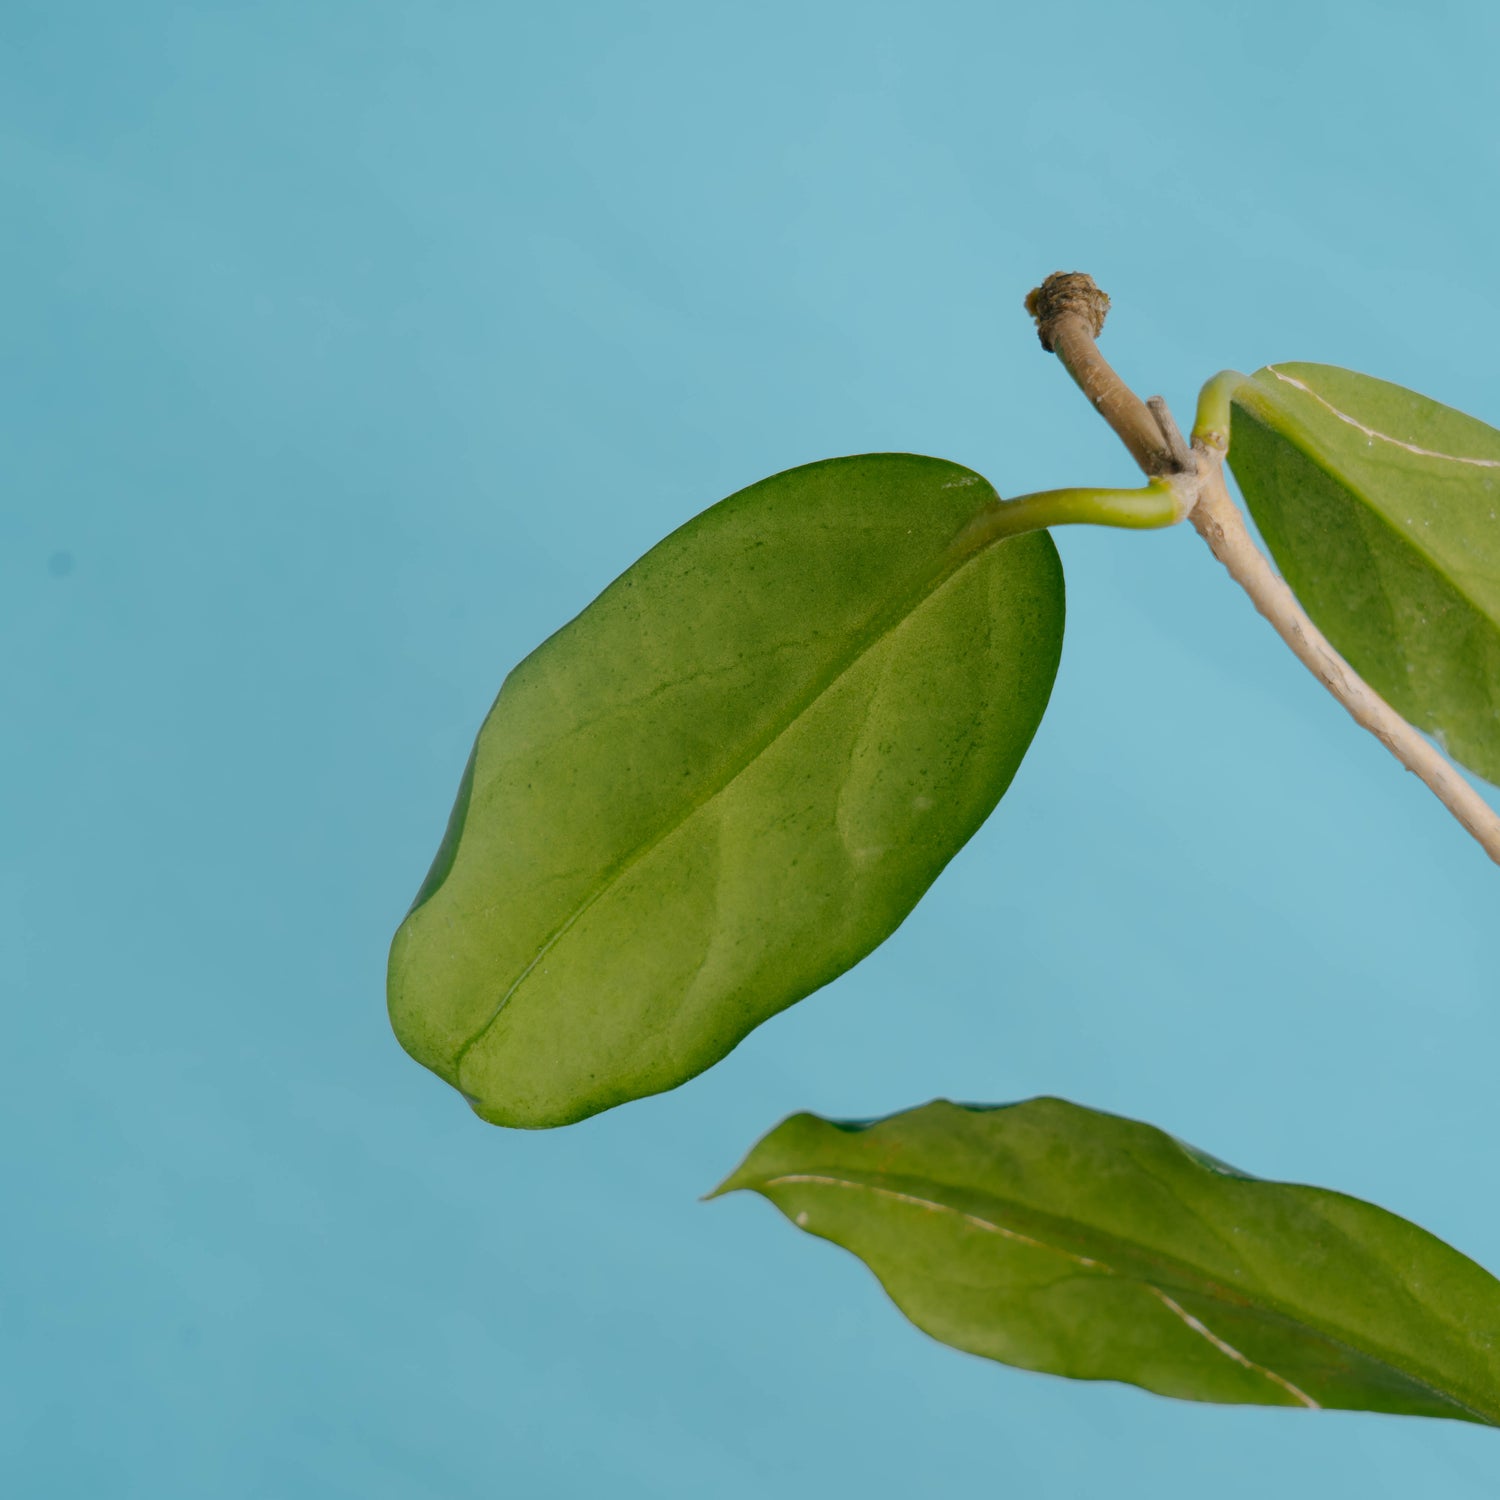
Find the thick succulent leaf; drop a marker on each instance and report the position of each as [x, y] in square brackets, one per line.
[1061, 1239]
[724, 783]
[1382, 510]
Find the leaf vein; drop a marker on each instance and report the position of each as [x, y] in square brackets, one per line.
[966, 548]
[1103, 1268]
[1228, 1349]
[1372, 432]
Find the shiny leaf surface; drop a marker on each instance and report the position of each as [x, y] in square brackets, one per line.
[724, 783]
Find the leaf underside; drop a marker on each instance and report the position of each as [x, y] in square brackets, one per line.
[1061, 1239]
[1382, 510]
[724, 783]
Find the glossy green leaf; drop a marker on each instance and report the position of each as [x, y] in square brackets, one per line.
[1061, 1239]
[1382, 510]
[724, 783]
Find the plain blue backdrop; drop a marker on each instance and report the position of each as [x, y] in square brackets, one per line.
[351, 347]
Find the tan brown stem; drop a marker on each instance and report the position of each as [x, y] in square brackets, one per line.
[1217, 519]
[1182, 456]
[1069, 310]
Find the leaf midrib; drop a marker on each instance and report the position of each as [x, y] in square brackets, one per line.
[1261, 1304]
[969, 543]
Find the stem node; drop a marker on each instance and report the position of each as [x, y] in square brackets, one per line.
[1069, 310]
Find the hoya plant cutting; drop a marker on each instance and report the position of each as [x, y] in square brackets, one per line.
[734, 774]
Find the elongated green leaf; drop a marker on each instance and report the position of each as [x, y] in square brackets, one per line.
[1382, 510]
[724, 783]
[1057, 1238]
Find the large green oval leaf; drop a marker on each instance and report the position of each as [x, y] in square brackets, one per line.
[1061, 1239]
[724, 783]
[1382, 510]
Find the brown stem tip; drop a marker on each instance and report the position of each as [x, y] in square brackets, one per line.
[1069, 311]
[1064, 293]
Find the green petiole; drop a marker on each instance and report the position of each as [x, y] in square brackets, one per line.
[1211, 422]
[1158, 504]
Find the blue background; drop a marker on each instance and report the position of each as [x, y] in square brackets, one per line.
[350, 348]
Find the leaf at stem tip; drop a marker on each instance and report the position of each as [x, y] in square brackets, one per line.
[1065, 1240]
[1382, 510]
[724, 783]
